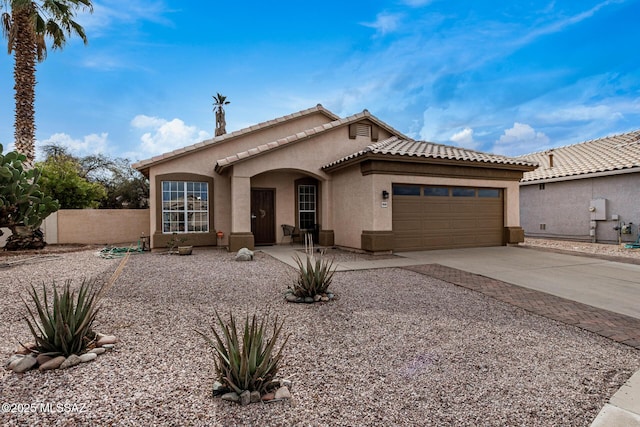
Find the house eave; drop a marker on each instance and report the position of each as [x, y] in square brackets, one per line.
[624, 171]
[406, 158]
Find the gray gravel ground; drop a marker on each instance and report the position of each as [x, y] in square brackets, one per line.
[395, 348]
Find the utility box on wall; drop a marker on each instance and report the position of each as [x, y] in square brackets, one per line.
[598, 209]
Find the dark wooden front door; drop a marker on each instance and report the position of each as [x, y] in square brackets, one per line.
[263, 224]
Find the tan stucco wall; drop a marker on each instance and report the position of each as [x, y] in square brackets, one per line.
[302, 158]
[100, 226]
[358, 201]
[351, 209]
[50, 228]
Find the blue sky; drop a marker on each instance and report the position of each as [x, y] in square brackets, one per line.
[504, 77]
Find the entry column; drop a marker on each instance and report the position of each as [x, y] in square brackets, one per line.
[241, 236]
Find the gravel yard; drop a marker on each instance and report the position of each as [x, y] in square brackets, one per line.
[395, 348]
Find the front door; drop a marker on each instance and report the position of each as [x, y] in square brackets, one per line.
[263, 224]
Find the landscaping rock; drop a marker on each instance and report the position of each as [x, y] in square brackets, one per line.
[98, 350]
[329, 295]
[286, 383]
[324, 299]
[43, 358]
[291, 298]
[72, 360]
[87, 357]
[52, 364]
[25, 349]
[268, 396]
[231, 397]
[244, 254]
[15, 362]
[308, 300]
[106, 339]
[13, 359]
[26, 363]
[245, 398]
[316, 298]
[219, 388]
[255, 396]
[108, 346]
[283, 393]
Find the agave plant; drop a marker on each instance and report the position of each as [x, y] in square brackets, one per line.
[247, 364]
[314, 276]
[65, 327]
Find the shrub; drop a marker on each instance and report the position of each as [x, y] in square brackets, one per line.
[314, 276]
[250, 364]
[65, 327]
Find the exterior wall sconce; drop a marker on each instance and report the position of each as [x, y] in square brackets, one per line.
[385, 194]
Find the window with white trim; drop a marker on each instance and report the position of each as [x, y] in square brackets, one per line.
[185, 207]
[306, 206]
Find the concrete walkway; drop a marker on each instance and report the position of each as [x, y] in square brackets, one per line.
[598, 295]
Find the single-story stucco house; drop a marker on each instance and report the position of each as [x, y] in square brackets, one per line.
[356, 182]
[584, 191]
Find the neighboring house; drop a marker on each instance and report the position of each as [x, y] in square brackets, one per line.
[584, 191]
[354, 182]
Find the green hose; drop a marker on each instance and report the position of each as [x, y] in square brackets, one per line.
[115, 252]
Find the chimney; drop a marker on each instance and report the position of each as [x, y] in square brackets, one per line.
[550, 153]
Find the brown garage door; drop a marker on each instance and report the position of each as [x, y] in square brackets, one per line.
[430, 217]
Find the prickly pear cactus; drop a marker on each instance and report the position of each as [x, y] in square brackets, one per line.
[22, 203]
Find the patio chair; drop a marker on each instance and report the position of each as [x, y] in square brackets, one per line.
[291, 231]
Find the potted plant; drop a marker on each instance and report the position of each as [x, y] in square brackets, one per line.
[185, 250]
[175, 242]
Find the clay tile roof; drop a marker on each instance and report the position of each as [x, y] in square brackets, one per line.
[396, 146]
[227, 161]
[143, 164]
[608, 154]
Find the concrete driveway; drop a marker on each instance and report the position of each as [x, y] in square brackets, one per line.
[613, 286]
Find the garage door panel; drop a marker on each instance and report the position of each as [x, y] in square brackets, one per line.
[421, 222]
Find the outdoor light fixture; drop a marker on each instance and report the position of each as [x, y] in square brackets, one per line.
[385, 194]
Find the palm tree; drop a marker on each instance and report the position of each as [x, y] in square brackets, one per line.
[26, 24]
[218, 107]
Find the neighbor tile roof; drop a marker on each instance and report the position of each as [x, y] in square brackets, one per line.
[396, 146]
[609, 154]
[143, 164]
[282, 142]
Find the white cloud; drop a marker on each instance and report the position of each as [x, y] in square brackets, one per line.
[520, 139]
[561, 24]
[142, 121]
[385, 23]
[165, 135]
[464, 138]
[581, 113]
[108, 13]
[87, 145]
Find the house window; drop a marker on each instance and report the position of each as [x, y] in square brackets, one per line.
[406, 190]
[185, 207]
[541, 186]
[436, 191]
[463, 192]
[489, 192]
[307, 206]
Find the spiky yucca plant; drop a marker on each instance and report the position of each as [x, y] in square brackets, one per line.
[314, 276]
[65, 326]
[250, 363]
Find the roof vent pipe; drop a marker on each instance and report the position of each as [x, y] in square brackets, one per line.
[550, 153]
